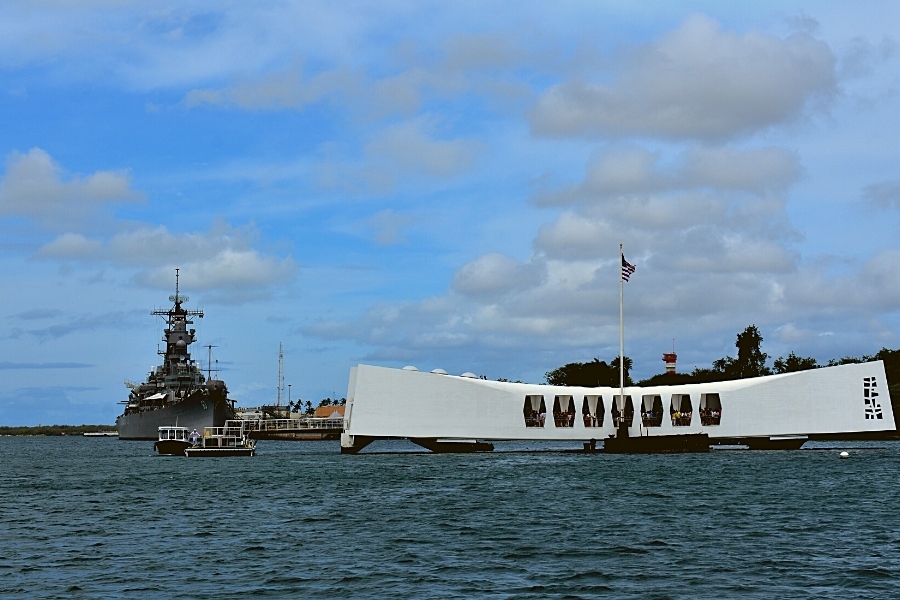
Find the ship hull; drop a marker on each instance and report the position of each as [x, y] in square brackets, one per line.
[194, 413]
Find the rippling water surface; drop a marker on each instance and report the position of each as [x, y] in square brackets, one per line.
[101, 518]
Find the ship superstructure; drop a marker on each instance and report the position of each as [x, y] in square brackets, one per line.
[175, 393]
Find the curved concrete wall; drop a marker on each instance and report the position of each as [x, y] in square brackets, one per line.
[384, 402]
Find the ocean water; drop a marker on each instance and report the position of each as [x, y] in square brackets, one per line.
[103, 518]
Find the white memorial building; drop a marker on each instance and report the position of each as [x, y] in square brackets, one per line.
[774, 411]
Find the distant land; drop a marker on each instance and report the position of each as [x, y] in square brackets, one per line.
[55, 429]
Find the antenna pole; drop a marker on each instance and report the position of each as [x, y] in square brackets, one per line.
[209, 347]
[621, 335]
[280, 372]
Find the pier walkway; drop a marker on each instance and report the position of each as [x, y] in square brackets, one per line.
[304, 428]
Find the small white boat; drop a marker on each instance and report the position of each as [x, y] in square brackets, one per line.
[173, 440]
[231, 440]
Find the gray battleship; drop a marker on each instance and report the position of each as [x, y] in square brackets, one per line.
[175, 392]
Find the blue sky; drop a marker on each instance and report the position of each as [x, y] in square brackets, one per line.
[438, 184]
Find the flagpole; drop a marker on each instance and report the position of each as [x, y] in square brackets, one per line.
[621, 334]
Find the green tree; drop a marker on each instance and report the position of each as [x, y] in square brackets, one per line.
[750, 361]
[847, 360]
[590, 374]
[794, 363]
[891, 359]
[679, 378]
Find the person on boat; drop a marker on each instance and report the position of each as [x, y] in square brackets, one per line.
[195, 437]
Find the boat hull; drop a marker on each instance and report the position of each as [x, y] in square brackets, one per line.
[196, 412]
[171, 447]
[658, 444]
[199, 452]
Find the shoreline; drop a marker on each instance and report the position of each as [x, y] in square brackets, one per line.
[53, 430]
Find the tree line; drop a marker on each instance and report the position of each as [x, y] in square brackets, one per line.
[751, 361]
[52, 430]
[306, 407]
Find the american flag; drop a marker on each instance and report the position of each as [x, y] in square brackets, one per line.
[627, 269]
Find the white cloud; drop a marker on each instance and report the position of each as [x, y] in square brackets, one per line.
[172, 44]
[884, 194]
[221, 258]
[872, 288]
[411, 147]
[72, 246]
[459, 64]
[229, 268]
[279, 90]
[406, 151]
[572, 311]
[496, 274]
[35, 186]
[698, 82]
[790, 333]
[388, 226]
[482, 52]
[575, 237]
[754, 170]
[634, 171]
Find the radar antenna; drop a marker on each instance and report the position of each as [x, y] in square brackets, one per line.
[176, 297]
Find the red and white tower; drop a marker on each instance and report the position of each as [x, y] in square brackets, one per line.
[670, 358]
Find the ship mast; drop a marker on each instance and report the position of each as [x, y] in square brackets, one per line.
[176, 335]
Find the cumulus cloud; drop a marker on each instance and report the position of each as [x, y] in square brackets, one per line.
[388, 226]
[863, 56]
[571, 313]
[222, 258]
[884, 194]
[496, 274]
[754, 170]
[229, 268]
[219, 258]
[64, 325]
[710, 236]
[459, 64]
[698, 82]
[407, 150]
[35, 186]
[634, 171]
[410, 146]
[573, 236]
[482, 52]
[9, 366]
[279, 90]
[872, 288]
[72, 246]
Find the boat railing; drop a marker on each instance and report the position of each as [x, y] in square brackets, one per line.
[223, 432]
[311, 423]
[234, 433]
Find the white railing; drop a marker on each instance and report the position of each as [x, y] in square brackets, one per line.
[303, 424]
